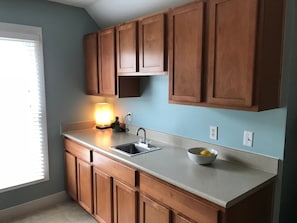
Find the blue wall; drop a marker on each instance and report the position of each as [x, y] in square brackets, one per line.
[153, 111]
[63, 28]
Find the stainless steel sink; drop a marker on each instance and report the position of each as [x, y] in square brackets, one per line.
[133, 149]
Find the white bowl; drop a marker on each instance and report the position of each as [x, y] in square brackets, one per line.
[194, 154]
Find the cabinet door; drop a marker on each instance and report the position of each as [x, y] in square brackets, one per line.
[180, 219]
[84, 180]
[103, 207]
[70, 168]
[185, 53]
[91, 67]
[152, 44]
[189, 205]
[127, 48]
[152, 212]
[125, 202]
[231, 51]
[106, 62]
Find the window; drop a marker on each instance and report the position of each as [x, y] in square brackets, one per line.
[23, 130]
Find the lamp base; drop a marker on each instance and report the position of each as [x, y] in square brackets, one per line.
[103, 127]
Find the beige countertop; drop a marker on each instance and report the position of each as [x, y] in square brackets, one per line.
[223, 183]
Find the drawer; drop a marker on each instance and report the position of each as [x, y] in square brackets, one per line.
[78, 150]
[181, 201]
[115, 169]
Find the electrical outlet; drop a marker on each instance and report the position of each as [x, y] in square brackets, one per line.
[129, 117]
[213, 132]
[248, 138]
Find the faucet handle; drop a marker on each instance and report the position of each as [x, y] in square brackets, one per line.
[141, 140]
[142, 144]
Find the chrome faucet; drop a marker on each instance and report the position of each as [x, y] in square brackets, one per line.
[144, 135]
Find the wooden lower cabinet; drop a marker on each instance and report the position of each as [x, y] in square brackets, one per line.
[150, 211]
[181, 219]
[79, 181]
[114, 201]
[116, 193]
[84, 185]
[103, 198]
[79, 174]
[70, 169]
[179, 200]
[188, 208]
[125, 203]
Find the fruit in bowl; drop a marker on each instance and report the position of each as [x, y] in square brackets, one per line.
[202, 155]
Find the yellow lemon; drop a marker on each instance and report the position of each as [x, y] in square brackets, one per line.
[205, 153]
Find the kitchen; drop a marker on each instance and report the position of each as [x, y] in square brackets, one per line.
[63, 32]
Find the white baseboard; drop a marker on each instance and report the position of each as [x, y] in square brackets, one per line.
[15, 212]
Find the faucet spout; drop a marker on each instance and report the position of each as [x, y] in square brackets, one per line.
[144, 134]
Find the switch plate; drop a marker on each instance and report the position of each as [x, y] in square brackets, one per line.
[213, 132]
[248, 138]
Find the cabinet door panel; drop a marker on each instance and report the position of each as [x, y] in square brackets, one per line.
[232, 42]
[180, 219]
[106, 62]
[114, 168]
[126, 47]
[191, 206]
[152, 44]
[103, 207]
[125, 201]
[70, 168]
[78, 150]
[185, 52]
[152, 212]
[91, 67]
[84, 179]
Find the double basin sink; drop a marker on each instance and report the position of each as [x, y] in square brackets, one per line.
[134, 148]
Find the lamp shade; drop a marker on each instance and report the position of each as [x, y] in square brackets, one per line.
[103, 115]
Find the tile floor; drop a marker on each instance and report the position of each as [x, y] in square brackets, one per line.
[66, 212]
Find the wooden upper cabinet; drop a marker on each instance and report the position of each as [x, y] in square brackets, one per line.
[231, 51]
[232, 60]
[152, 44]
[100, 67]
[106, 62]
[142, 47]
[185, 53]
[91, 66]
[245, 53]
[127, 60]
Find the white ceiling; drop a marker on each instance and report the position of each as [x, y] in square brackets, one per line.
[111, 12]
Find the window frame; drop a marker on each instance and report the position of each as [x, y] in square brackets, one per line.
[25, 32]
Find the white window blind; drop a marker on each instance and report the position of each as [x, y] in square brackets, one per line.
[23, 130]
